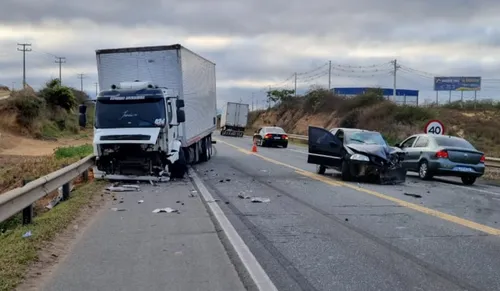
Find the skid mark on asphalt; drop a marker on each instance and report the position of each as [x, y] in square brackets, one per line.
[413, 206]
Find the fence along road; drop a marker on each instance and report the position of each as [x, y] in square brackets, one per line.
[22, 198]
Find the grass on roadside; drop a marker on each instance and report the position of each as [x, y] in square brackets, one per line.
[16, 252]
[13, 170]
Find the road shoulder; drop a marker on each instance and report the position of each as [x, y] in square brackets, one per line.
[137, 249]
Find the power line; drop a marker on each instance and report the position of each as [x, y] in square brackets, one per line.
[60, 61]
[24, 50]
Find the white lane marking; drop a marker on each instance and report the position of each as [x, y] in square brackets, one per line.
[259, 276]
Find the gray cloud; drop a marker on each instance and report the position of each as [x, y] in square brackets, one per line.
[354, 19]
[331, 24]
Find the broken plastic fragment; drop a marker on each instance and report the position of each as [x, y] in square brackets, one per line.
[120, 189]
[118, 209]
[27, 234]
[140, 201]
[165, 210]
[260, 200]
[243, 196]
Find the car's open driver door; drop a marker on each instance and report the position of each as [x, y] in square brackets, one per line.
[324, 147]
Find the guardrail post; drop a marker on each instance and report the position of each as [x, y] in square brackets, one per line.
[85, 175]
[28, 211]
[65, 191]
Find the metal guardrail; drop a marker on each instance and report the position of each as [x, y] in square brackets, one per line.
[491, 162]
[22, 198]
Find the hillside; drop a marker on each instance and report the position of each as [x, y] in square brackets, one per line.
[479, 124]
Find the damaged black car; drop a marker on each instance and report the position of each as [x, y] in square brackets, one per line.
[356, 154]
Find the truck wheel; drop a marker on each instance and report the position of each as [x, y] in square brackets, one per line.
[179, 168]
[204, 155]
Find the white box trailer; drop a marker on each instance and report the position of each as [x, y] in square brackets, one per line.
[186, 82]
[234, 119]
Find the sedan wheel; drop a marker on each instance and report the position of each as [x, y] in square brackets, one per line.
[423, 171]
[468, 180]
[320, 169]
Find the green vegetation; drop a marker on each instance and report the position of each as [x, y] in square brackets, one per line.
[17, 253]
[478, 122]
[73, 152]
[50, 113]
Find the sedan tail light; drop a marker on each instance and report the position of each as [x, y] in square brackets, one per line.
[285, 136]
[442, 155]
[268, 136]
[483, 159]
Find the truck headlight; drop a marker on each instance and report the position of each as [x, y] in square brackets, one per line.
[358, 157]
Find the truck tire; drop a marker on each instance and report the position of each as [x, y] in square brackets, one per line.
[204, 155]
[179, 168]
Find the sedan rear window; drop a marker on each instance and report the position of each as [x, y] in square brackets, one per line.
[274, 130]
[453, 142]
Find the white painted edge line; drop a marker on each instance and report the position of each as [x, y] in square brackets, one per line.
[259, 276]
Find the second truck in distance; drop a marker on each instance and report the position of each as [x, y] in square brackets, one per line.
[234, 119]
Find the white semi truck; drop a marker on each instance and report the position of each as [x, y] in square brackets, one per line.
[234, 119]
[156, 111]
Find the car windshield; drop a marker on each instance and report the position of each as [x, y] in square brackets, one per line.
[364, 137]
[130, 113]
[274, 130]
[445, 141]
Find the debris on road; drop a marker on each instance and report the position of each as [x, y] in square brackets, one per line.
[260, 200]
[116, 187]
[413, 195]
[244, 196]
[140, 201]
[212, 201]
[165, 210]
[118, 209]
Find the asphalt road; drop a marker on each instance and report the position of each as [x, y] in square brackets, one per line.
[137, 249]
[319, 233]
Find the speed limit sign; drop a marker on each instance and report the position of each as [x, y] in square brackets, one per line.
[434, 127]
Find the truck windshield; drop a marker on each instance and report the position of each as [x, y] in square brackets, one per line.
[131, 113]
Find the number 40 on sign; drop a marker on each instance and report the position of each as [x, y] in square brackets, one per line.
[434, 127]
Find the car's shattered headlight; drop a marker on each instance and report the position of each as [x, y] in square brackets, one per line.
[358, 157]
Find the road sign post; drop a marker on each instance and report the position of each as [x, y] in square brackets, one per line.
[434, 127]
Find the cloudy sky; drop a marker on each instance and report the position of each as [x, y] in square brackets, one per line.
[258, 43]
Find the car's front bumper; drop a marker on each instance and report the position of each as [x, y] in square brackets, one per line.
[384, 174]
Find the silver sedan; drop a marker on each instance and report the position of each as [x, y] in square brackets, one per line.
[442, 155]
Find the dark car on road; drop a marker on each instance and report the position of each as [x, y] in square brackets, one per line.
[355, 153]
[442, 155]
[271, 136]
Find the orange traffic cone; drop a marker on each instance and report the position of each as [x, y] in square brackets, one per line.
[254, 147]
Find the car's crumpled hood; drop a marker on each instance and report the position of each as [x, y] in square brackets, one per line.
[373, 149]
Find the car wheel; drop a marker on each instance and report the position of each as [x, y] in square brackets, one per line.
[320, 169]
[285, 145]
[423, 171]
[345, 171]
[468, 180]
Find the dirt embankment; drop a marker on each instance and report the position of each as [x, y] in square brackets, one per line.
[477, 123]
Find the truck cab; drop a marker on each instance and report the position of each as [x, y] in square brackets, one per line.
[136, 130]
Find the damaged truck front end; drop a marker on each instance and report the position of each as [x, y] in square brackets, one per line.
[135, 133]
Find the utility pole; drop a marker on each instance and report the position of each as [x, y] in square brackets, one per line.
[24, 50]
[295, 90]
[60, 61]
[329, 75]
[268, 99]
[96, 88]
[252, 100]
[396, 67]
[81, 76]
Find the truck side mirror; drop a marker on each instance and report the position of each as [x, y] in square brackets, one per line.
[179, 103]
[181, 116]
